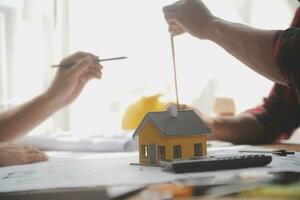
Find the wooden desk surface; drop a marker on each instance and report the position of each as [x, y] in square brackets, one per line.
[289, 147]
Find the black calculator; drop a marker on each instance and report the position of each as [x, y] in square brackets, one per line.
[216, 162]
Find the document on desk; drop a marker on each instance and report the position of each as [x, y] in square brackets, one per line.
[77, 169]
[72, 170]
[98, 143]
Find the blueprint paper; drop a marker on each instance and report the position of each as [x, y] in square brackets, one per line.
[67, 170]
[77, 169]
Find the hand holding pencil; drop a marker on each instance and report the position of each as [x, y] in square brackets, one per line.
[74, 72]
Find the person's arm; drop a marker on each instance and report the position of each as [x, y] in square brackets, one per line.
[66, 86]
[242, 128]
[275, 119]
[253, 47]
[21, 119]
[270, 122]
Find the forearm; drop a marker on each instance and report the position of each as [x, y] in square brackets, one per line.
[243, 128]
[24, 118]
[253, 47]
[65, 88]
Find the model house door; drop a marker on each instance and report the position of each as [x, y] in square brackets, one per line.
[152, 153]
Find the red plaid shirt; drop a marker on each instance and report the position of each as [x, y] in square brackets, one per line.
[280, 112]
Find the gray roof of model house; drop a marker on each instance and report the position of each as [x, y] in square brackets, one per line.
[186, 123]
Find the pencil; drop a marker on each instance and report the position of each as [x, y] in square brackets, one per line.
[99, 60]
[174, 68]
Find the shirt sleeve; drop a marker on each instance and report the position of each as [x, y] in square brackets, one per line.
[287, 53]
[279, 114]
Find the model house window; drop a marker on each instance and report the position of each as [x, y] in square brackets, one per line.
[198, 149]
[145, 151]
[177, 151]
[162, 152]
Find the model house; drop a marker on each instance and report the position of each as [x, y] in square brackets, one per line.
[163, 136]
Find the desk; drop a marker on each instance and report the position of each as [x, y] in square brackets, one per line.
[75, 169]
[289, 147]
[81, 169]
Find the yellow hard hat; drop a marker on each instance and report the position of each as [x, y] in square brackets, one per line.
[136, 111]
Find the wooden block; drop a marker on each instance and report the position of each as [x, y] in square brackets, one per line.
[224, 106]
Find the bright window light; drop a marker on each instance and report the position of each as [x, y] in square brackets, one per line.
[137, 29]
[36, 37]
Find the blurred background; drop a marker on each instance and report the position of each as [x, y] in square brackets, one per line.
[36, 34]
